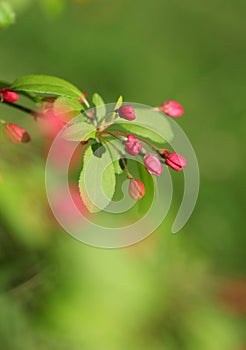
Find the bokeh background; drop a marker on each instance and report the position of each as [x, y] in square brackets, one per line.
[170, 292]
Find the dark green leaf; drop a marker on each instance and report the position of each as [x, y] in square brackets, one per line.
[41, 86]
[121, 163]
[98, 149]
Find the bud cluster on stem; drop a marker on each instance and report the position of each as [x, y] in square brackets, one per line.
[53, 120]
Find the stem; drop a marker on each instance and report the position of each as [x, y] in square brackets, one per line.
[105, 117]
[91, 117]
[20, 108]
[139, 138]
[122, 159]
[112, 134]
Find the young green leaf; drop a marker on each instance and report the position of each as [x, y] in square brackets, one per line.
[41, 86]
[100, 106]
[117, 106]
[97, 181]
[7, 15]
[79, 131]
[118, 103]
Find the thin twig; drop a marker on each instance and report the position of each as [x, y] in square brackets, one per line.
[121, 157]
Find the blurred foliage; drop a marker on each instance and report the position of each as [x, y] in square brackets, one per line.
[167, 292]
[7, 15]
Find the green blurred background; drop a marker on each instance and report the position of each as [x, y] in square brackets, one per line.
[184, 291]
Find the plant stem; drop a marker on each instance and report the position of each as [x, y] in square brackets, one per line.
[121, 157]
[21, 108]
[112, 134]
[139, 138]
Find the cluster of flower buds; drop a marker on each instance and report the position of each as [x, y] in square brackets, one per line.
[152, 162]
[132, 145]
[8, 95]
[54, 120]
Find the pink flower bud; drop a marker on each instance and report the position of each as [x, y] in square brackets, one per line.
[172, 109]
[16, 134]
[176, 161]
[132, 145]
[136, 189]
[8, 96]
[153, 165]
[127, 112]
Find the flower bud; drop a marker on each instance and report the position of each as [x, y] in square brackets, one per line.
[16, 134]
[172, 109]
[132, 145]
[153, 165]
[176, 161]
[127, 112]
[8, 96]
[136, 189]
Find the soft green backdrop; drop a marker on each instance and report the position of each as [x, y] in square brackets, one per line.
[170, 292]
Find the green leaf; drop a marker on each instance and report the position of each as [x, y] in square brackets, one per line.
[117, 106]
[41, 86]
[119, 103]
[97, 181]
[100, 106]
[79, 131]
[149, 125]
[7, 15]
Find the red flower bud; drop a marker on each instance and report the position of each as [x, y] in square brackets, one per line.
[127, 112]
[153, 165]
[16, 134]
[132, 145]
[8, 96]
[172, 109]
[136, 189]
[176, 161]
